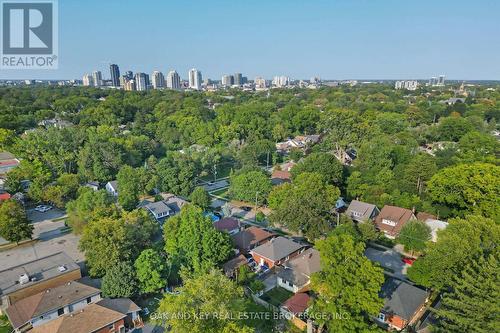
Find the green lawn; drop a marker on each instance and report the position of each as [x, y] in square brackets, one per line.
[221, 193]
[223, 170]
[5, 325]
[277, 296]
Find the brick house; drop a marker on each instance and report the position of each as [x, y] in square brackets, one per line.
[276, 251]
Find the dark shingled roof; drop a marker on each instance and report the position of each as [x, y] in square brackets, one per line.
[277, 248]
[297, 304]
[401, 298]
[248, 237]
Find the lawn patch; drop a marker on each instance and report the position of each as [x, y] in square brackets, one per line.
[277, 296]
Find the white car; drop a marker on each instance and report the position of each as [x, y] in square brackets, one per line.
[43, 208]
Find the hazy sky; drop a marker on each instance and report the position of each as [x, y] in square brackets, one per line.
[333, 39]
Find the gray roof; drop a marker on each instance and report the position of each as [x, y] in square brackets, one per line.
[362, 208]
[277, 248]
[38, 270]
[175, 203]
[298, 270]
[158, 208]
[36, 305]
[122, 305]
[114, 184]
[401, 298]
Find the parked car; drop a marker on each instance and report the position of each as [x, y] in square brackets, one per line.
[408, 261]
[43, 208]
[246, 208]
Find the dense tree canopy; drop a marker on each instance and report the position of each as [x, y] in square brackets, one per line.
[342, 263]
[304, 205]
[14, 225]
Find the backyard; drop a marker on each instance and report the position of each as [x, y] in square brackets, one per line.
[276, 296]
[5, 325]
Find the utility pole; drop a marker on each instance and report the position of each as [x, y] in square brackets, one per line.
[267, 161]
[255, 217]
[215, 172]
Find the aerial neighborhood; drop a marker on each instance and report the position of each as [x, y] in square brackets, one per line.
[350, 207]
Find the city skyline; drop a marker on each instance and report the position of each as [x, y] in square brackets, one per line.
[329, 39]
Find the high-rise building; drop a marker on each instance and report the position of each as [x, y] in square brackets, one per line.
[260, 83]
[281, 81]
[88, 80]
[129, 75]
[409, 85]
[173, 80]
[238, 79]
[227, 80]
[128, 84]
[195, 79]
[97, 77]
[441, 80]
[115, 75]
[158, 80]
[141, 81]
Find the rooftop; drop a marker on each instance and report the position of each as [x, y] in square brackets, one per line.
[298, 270]
[360, 210]
[297, 304]
[37, 271]
[36, 305]
[277, 248]
[227, 224]
[251, 236]
[89, 319]
[401, 298]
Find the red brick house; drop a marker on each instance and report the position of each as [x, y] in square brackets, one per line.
[391, 220]
[275, 252]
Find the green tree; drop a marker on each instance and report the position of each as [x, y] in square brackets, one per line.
[468, 188]
[414, 236]
[119, 281]
[367, 231]
[64, 189]
[208, 300]
[453, 128]
[191, 239]
[305, 205]
[128, 183]
[342, 262]
[324, 164]
[14, 225]
[472, 303]
[88, 205]
[176, 174]
[463, 241]
[150, 271]
[200, 198]
[478, 147]
[250, 186]
[120, 238]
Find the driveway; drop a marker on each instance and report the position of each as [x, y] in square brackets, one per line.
[52, 214]
[388, 259]
[270, 281]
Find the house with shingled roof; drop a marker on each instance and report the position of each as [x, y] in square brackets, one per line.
[276, 251]
[391, 220]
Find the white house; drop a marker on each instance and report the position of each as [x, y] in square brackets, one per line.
[112, 188]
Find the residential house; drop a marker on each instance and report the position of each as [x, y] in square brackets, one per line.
[127, 307]
[276, 251]
[35, 276]
[391, 220]
[228, 224]
[279, 177]
[231, 267]
[4, 196]
[93, 185]
[112, 187]
[299, 142]
[161, 210]
[295, 308]
[404, 304]
[360, 211]
[95, 318]
[295, 275]
[7, 162]
[250, 238]
[50, 304]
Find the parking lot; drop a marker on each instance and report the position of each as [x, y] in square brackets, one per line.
[50, 240]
